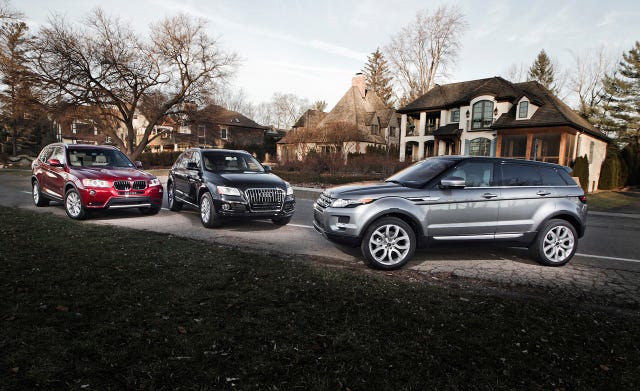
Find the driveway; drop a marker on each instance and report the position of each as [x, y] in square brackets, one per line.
[606, 269]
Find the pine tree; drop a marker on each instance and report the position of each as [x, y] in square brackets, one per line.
[543, 71]
[378, 77]
[622, 99]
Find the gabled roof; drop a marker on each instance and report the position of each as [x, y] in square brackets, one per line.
[310, 119]
[551, 112]
[354, 108]
[461, 94]
[222, 116]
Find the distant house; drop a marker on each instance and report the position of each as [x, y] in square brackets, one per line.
[83, 125]
[494, 117]
[360, 114]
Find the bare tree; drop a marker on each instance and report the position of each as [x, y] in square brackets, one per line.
[282, 111]
[320, 105]
[234, 100]
[516, 73]
[423, 51]
[343, 137]
[107, 65]
[590, 68]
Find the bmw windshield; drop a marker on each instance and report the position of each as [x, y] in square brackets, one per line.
[99, 157]
[420, 173]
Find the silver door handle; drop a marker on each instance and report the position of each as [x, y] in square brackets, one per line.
[489, 195]
[543, 193]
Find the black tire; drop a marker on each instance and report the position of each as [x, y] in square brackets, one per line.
[555, 244]
[208, 215]
[174, 205]
[388, 244]
[38, 198]
[73, 205]
[152, 210]
[281, 220]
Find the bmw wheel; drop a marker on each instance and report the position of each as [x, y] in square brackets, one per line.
[38, 198]
[388, 243]
[73, 205]
[555, 244]
[208, 214]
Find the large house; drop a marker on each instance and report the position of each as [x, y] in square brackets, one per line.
[494, 117]
[360, 119]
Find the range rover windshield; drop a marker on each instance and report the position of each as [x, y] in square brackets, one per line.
[229, 162]
[420, 173]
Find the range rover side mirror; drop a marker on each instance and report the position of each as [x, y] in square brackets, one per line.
[138, 164]
[452, 182]
[267, 169]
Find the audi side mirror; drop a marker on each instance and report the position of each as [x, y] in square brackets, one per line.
[267, 169]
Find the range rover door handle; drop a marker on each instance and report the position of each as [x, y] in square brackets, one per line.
[543, 193]
[489, 195]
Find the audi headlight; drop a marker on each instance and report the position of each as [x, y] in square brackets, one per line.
[289, 189]
[154, 182]
[228, 191]
[346, 203]
[95, 183]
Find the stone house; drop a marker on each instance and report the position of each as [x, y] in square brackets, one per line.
[217, 127]
[494, 117]
[360, 114]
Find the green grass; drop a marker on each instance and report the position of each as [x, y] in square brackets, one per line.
[614, 201]
[84, 306]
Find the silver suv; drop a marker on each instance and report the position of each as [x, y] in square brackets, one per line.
[457, 198]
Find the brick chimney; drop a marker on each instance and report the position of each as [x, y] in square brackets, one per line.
[360, 81]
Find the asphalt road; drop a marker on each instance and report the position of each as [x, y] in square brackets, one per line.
[611, 241]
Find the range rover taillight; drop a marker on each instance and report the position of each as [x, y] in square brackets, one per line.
[583, 199]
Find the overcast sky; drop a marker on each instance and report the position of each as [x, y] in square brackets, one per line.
[312, 48]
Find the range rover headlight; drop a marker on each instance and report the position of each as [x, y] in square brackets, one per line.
[228, 191]
[289, 189]
[154, 182]
[346, 203]
[95, 183]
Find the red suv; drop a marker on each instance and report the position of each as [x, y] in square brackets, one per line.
[87, 177]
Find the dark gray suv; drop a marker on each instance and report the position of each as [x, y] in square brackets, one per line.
[457, 198]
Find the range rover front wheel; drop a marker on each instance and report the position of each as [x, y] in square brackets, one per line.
[388, 243]
[555, 244]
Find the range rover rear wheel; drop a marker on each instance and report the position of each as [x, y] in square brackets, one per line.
[388, 243]
[208, 214]
[555, 244]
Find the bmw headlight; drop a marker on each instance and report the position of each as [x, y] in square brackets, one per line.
[289, 189]
[347, 203]
[228, 191]
[95, 183]
[154, 182]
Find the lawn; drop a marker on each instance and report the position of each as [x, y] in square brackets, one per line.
[84, 306]
[614, 201]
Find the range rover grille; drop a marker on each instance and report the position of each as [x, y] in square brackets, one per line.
[265, 200]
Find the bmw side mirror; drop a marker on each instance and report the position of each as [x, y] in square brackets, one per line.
[55, 163]
[452, 182]
[138, 164]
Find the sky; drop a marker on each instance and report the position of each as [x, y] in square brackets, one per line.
[312, 48]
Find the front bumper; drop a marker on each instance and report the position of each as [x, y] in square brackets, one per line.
[336, 224]
[233, 207]
[104, 198]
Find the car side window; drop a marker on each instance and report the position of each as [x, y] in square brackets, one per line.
[58, 153]
[44, 155]
[520, 175]
[181, 162]
[475, 174]
[551, 177]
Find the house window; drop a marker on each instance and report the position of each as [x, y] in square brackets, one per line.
[375, 129]
[223, 133]
[480, 146]
[523, 110]
[592, 145]
[482, 114]
[514, 146]
[455, 116]
[392, 131]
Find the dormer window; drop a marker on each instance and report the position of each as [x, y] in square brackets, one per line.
[523, 109]
[455, 116]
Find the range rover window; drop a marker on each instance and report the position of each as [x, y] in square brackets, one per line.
[475, 174]
[520, 175]
[420, 173]
[550, 177]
